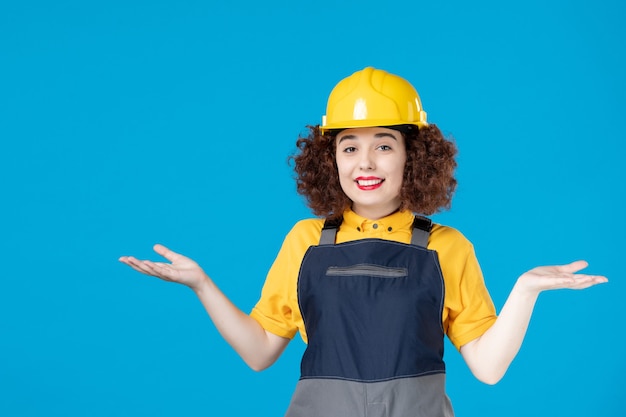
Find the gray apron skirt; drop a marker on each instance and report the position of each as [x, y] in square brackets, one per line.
[372, 312]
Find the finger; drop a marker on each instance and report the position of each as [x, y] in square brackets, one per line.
[136, 264]
[583, 285]
[147, 267]
[163, 270]
[128, 260]
[158, 267]
[141, 266]
[579, 282]
[587, 281]
[555, 283]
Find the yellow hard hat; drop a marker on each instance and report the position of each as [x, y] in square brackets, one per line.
[373, 97]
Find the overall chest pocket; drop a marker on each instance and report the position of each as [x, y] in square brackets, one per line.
[367, 270]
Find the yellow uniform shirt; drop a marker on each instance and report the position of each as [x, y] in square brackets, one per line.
[468, 310]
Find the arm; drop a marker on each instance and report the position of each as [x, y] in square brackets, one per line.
[256, 346]
[490, 355]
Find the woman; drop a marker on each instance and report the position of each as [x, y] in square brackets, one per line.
[372, 287]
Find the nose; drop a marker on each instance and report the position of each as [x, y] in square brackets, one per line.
[366, 162]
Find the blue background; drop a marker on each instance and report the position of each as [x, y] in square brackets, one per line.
[123, 124]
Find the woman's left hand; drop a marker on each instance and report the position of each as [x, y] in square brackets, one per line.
[489, 355]
[557, 277]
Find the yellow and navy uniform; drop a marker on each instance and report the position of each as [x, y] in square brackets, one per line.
[468, 310]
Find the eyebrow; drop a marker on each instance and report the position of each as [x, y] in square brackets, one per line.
[377, 136]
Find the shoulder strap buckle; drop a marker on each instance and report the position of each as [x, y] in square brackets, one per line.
[421, 231]
[329, 231]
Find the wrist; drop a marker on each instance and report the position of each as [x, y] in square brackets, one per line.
[524, 290]
[203, 285]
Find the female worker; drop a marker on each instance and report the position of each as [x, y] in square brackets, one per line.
[371, 286]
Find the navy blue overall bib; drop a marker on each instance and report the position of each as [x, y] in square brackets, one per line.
[372, 311]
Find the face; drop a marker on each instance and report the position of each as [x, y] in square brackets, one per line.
[370, 162]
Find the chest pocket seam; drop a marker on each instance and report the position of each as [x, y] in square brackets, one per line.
[369, 270]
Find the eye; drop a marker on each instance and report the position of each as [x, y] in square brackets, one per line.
[384, 147]
[349, 149]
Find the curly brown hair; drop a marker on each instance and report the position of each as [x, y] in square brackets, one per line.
[427, 186]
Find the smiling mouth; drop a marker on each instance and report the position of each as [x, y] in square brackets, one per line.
[368, 183]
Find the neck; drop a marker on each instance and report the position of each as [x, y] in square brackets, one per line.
[374, 214]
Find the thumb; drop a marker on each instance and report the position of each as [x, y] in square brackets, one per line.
[166, 253]
[574, 266]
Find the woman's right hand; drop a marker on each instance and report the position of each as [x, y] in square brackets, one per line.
[181, 269]
[258, 347]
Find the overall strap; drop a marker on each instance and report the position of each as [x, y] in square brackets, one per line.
[421, 231]
[419, 237]
[329, 231]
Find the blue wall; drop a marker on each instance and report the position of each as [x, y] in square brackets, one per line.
[123, 124]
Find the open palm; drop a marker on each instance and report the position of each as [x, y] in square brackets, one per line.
[557, 277]
[181, 269]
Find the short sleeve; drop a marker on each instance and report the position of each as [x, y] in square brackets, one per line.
[277, 309]
[468, 308]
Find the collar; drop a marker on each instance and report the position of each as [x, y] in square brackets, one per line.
[399, 220]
